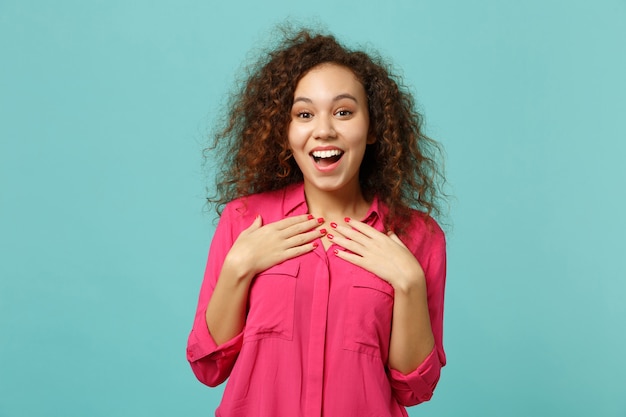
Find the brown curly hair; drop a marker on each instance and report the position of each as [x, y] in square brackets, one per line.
[402, 167]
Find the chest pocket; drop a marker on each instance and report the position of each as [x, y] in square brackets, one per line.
[368, 316]
[271, 302]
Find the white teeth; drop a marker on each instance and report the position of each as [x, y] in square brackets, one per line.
[326, 154]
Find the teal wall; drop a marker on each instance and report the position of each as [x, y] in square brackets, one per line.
[104, 107]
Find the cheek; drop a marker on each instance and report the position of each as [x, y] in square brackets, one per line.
[295, 138]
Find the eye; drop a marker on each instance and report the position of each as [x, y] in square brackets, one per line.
[343, 113]
[304, 115]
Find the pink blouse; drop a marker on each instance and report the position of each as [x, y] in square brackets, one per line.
[317, 332]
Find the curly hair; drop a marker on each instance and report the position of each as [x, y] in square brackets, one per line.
[402, 167]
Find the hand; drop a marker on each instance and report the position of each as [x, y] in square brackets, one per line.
[381, 254]
[260, 247]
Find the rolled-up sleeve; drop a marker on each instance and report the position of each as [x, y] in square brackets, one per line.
[419, 385]
[212, 363]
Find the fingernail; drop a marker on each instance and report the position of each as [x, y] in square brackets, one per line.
[309, 217]
[323, 231]
[315, 245]
[335, 251]
[330, 236]
[333, 225]
[320, 220]
[346, 219]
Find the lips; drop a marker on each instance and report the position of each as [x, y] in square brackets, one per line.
[326, 157]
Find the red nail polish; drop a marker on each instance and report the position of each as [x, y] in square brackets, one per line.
[320, 220]
[315, 245]
[335, 251]
[323, 231]
[333, 225]
[347, 219]
[309, 217]
[330, 236]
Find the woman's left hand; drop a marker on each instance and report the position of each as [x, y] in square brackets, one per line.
[381, 254]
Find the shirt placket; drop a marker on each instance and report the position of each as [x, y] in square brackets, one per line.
[317, 340]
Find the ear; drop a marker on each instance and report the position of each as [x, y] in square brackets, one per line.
[371, 139]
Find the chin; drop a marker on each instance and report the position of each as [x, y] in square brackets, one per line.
[331, 186]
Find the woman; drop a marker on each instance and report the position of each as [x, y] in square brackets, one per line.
[323, 292]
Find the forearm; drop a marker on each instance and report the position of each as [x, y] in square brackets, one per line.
[412, 338]
[226, 311]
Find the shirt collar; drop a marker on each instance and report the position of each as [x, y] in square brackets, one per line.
[294, 203]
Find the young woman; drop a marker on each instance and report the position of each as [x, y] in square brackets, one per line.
[323, 293]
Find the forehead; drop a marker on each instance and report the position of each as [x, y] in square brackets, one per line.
[329, 76]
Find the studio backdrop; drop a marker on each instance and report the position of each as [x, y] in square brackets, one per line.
[105, 108]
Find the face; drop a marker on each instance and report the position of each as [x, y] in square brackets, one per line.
[328, 132]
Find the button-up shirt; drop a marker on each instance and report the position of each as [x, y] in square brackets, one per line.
[317, 331]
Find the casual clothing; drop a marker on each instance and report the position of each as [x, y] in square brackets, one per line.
[317, 332]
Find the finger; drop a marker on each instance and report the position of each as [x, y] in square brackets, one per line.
[348, 244]
[366, 229]
[356, 235]
[298, 250]
[288, 222]
[256, 223]
[350, 257]
[349, 233]
[395, 238]
[301, 227]
[304, 238]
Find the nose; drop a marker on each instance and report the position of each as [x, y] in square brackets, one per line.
[324, 128]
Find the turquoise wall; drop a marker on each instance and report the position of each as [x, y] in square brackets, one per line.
[104, 107]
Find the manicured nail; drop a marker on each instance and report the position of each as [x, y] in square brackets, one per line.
[335, 251]
[346, 219]
[330, 236]
[315, 245]
[333, 225]
[309, 217]
[323, 231]
[320, 220]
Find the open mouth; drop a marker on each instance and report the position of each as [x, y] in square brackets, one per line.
[326, 158]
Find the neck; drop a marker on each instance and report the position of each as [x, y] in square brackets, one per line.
[336, 204]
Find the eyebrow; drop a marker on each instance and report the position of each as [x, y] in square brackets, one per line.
[337, 98]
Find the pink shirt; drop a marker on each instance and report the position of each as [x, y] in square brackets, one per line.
[316, 338]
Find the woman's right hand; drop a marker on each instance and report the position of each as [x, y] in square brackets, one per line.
[256, 249]
[260, 247]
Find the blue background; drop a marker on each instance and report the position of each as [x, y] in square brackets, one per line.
[105, 107]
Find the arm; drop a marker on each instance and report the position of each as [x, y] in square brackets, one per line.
[415, 353]
[210, 362]
[256, 249]
[412, 339]
[216, 336]
[418, 386]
